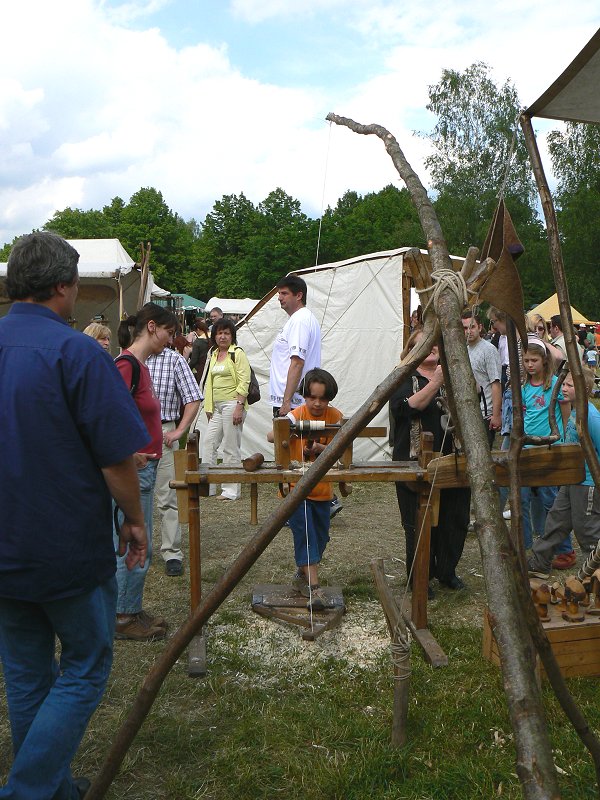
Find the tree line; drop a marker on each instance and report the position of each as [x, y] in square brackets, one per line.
[242, 249]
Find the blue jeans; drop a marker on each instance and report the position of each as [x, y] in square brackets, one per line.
[310, 528]
[544, 497]
[50, 704]
[130, 583]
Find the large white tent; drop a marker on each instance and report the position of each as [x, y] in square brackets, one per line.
[232, 305]
[359, 305]
[109, 283]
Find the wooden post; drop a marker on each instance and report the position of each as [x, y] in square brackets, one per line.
[254, 504]
[197, 648]
[420, 578]
[400, 653]
[281, 442]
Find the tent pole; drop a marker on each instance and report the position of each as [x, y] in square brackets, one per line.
[560, 281]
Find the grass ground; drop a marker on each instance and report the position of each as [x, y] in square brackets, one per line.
[279, 717]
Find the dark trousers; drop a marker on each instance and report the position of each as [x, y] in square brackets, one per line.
[447, 538]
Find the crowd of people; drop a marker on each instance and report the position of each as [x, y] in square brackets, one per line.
[550, 514]
[75, 424]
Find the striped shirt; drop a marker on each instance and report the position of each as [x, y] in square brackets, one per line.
[174, 383]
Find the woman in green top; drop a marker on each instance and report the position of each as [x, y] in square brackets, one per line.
[225, 394]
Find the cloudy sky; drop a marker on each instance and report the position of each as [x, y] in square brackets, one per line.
[201, 98]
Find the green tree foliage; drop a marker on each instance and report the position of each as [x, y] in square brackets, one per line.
[474, 140]
[73, 223]
[146, 218]
[575, 154]
[221, 252]
[244, 249]
[381, 220]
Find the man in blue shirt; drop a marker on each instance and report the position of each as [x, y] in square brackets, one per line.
[576, 508]
[68, 431]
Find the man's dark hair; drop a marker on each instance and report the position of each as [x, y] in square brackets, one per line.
[223, 324]
[37, 263]
[318, 375]
[555, 320]
[468, 314]
[216, 308]
[294, 284]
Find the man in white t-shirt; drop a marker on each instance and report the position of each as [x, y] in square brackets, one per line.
[297, 348]
[487, 369]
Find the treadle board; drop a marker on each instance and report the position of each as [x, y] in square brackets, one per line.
[576, 645]
[284, 605]
[272, 594]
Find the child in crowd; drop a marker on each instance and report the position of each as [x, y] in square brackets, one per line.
[310, 521]
[537, 390]
[576, 507]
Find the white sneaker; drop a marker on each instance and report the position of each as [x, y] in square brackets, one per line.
[506, 514]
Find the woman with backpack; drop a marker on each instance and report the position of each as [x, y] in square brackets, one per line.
[143, 334]
[225, 401]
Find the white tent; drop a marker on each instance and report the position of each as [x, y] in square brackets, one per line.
[359, 305]
[109, 283]
[232, 305]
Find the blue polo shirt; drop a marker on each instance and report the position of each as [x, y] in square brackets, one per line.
[64, 413]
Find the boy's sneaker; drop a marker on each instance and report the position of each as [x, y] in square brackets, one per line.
[534, 572]
[335, 507]
[300, 583]
[317, 600]
[506, 514]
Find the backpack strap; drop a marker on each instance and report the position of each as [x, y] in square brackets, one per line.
[135, 370]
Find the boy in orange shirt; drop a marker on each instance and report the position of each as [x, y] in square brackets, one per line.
[310, 521]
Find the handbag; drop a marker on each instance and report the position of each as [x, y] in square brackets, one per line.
[253, 387]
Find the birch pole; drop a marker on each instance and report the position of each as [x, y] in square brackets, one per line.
[535, 766]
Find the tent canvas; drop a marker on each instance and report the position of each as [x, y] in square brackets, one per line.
[109, 283]
[550, 307]
[359, 305]
[189, 303]
[574, 96]
[232, 305]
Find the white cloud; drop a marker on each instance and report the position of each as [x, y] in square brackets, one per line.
[256, 11]
[92, 108]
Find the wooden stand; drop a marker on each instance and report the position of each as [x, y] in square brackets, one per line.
[284, 604]
[559, 464]
[428, 506]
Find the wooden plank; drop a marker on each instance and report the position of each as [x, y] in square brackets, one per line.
[392, 471]
[275, 595]
[334, 618]
[432, 652]
[558, 465]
